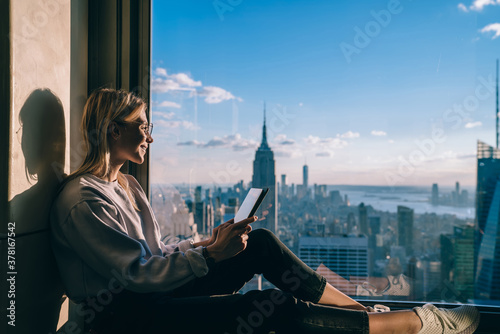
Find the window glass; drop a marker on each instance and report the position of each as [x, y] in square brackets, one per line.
[373, 123]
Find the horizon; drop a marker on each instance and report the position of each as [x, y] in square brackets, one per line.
[469, 188]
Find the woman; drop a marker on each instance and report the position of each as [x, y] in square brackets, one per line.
[112, 262]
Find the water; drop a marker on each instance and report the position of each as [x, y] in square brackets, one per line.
[388, 198]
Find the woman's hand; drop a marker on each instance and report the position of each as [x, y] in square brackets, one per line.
[216, 231]
[230, 239]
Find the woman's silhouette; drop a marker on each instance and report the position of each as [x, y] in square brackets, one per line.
[43, 141]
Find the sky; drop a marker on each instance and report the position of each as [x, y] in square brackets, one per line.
[364, 92]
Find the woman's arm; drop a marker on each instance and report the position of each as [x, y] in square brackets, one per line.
[93, 231]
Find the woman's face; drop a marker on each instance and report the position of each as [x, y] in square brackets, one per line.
[133, 140]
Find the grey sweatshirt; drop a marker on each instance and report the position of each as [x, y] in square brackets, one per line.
[100, 240]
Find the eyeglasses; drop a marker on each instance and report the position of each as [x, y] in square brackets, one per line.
[147, 128]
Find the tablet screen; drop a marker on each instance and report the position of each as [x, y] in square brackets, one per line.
[250, 204]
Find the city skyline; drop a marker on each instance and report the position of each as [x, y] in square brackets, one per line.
[357, 119]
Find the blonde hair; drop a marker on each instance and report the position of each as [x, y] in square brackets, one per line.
[103, 107]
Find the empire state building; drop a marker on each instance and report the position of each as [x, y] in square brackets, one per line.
[264, 176]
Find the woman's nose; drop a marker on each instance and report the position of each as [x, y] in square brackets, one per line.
[149, 139]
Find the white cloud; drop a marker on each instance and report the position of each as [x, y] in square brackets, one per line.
[350, 134]
[189, 125]
[216, 95]
[494, 27]
[165, 115]
[177, 124]
[173, 82]
[184, 80]
[471, 125]
[390, 141]
[235, 142]
[189, 143]
[378, 133]
[326, 143]
[282, 139]
[325, 154]
[287, 151]
[478, 5]
[159, 85]
[169, 104]
[160, 72]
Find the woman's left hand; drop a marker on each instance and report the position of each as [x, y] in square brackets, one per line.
[216, 231]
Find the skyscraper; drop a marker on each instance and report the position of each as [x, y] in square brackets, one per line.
[488, 172]
[435, 194]
[284, 186]
[346, 256]
[264, 176]
[464, 260]
[305, 176]
[363, 219]
[405, 229]
[488, 260]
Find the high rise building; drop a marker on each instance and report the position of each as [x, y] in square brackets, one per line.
[405, 229]
[305, 176]
[457, 259]
[174, 218]
[264, 176]
[351, 222]
[488, 260]
[346, 256]
[229, 210]
[301, 191]
[487, 239]
[199, 210]
[319, 191]
[456, 194]
[435, 194]
[488, 173]
[464, 261]
[336, 198]
[203, 211]
[284, 186]
[363, 219]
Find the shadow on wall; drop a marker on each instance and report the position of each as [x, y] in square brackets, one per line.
[42, 137]
[38, 287]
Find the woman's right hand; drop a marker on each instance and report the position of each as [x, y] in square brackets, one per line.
[231, 239]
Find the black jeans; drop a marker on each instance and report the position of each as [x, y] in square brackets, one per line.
[210, 304]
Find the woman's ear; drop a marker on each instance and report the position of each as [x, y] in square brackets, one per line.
[114, 130]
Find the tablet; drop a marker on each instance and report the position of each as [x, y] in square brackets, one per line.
[250, 204]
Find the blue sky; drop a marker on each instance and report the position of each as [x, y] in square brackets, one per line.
[368, 92]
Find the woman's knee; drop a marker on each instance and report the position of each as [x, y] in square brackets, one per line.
[262, 234]
[263, 242]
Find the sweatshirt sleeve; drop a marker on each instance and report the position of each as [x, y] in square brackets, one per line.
[94, 232]
[182, 246]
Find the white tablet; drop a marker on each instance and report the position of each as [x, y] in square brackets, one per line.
[250, 204]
